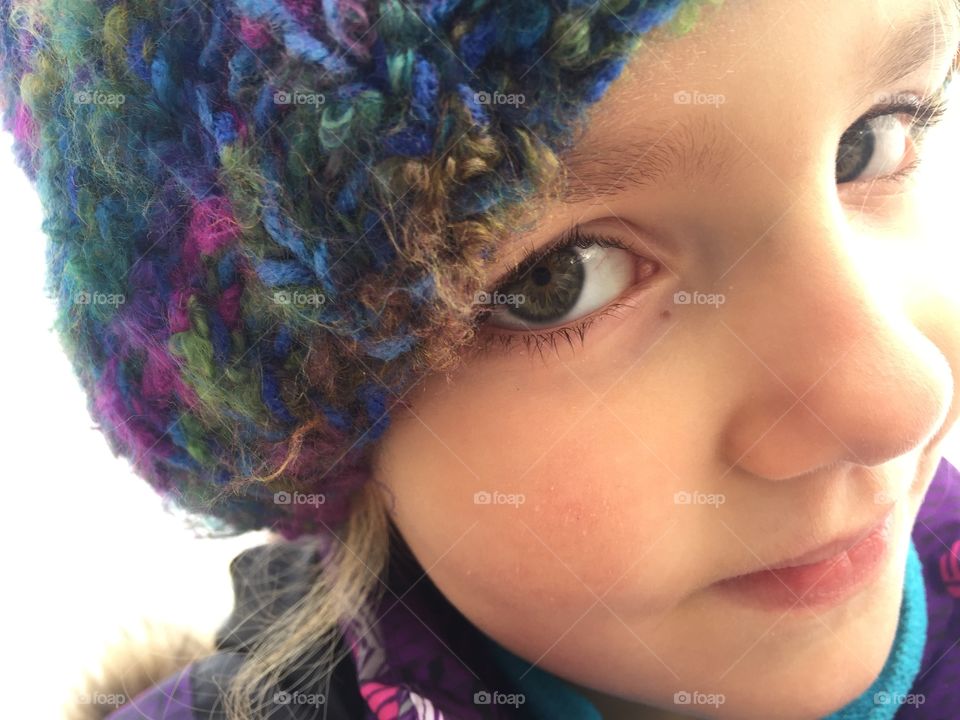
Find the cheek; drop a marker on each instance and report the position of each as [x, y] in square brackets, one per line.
[577, 504]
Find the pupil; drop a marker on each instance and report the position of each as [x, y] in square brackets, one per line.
[550, 289]
[540, 275]
[856, 150]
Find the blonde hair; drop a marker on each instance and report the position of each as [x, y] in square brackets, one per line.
[352, 577]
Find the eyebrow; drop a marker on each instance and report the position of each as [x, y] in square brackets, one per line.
[692, 145]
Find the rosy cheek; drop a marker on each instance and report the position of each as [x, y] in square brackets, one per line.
[597, 515]
[581, 503]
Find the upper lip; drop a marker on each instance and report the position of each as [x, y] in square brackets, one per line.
[826, 551]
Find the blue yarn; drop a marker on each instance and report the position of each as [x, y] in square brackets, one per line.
[227, 269]
[374, 400]
[299, 43]
[423, 290]
[135, 52]
[180, 459]
[276, 273]
[391, 348]
[104, 212]
[377, 241]
[174, 431]
[602, 80]
[321, 269]
[282, 343]
[521, 24]
[339, 420]
[265, 110]
[202, 93]
[195, 177]
[425, 88]
[219, 336]
[211, 60]
[164, 88]
[379, 76]
[123, 383]
[353, 187]
[224, 128]
[436, 11]
[242, 66]
[547, 696]
[72, 187]
[410, 141]
[270, 393]
[280, 229]
[478, 112]
[476, 43]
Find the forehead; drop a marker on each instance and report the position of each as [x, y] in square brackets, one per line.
[747, 77]
[646, 135]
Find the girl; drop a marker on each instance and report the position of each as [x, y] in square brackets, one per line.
[588, 359]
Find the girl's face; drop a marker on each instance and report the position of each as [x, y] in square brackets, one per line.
[772, 333]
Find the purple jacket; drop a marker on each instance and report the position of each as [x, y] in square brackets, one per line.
[415, 657]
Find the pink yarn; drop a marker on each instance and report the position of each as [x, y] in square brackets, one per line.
[228, 306]
[24, 127]
[255, 34]
[212, 225]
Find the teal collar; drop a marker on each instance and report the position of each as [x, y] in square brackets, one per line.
[548, 696]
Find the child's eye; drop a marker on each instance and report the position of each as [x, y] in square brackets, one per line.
[876, 146]
[563, 286]
[871, 149]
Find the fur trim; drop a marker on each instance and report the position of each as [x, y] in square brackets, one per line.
[134, 664]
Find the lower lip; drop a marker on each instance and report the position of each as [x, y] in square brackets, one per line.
[819, 584]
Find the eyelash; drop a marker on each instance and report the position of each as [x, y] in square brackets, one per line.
[574, 236]
[924, 114]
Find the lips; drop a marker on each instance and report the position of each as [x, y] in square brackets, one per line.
[824, 575]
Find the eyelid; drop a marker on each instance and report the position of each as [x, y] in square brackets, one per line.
[924, 113]
[926, 109]
[570, 237]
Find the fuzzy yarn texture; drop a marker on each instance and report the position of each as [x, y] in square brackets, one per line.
[267, 219]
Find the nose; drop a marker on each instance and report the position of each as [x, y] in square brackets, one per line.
[834, 370]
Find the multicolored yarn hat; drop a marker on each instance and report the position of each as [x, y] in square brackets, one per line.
[268, 218]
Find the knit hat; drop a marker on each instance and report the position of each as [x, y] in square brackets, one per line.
[267, 219]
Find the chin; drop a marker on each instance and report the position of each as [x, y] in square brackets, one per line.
[856, 637]
[808, 665]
